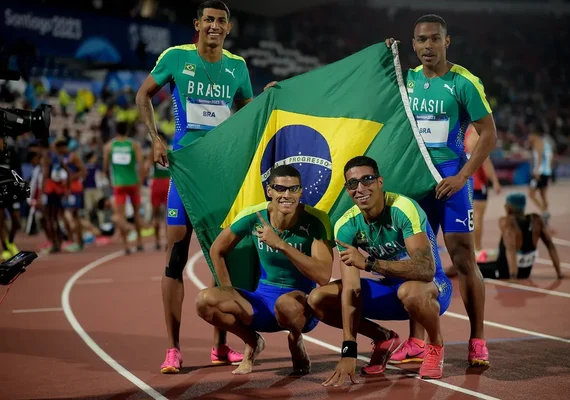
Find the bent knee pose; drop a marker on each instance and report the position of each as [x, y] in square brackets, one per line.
[402, 250]
[293, 241]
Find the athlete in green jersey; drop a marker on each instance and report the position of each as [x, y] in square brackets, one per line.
[294, 244]
[205, 81]
[445, 98]
[123, 164]
[402, 249]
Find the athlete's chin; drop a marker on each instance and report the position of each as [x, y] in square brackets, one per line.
[286, 208]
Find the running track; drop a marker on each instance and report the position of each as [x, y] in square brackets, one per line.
[90, 326]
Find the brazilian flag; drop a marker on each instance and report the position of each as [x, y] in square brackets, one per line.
[316, 122]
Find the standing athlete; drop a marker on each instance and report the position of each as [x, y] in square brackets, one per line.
[205, 81]
[445, 98]
[541, 172]
[123, 165]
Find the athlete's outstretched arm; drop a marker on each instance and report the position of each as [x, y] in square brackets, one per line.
[223, 244]
[510, 233]
[351, 301]
[545, 236]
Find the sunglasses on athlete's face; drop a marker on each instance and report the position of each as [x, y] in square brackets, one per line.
[366, 180]
[283, 189]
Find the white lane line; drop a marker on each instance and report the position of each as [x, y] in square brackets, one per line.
[527, 288]
[87, 339]
[94, 281]
[561, 242]
[509, 328]
[36, 310]
[200, 285]
[549, 262]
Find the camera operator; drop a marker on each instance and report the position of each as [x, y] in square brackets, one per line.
[10, 160]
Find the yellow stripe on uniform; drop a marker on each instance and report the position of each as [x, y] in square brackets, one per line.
[234, 56]
[407, 207]
[464, 72]
[323, 217]
[187, 47]
[352, 212]
[250, 210]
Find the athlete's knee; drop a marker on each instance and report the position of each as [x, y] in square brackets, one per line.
[178, 253]
[462, 253]
[289, 307]
[413, 296]
[206, 303]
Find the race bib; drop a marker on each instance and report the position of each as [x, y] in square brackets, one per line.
[434, 129]
[526, 260]
[58, 175]
[206, 114]
[121, 158]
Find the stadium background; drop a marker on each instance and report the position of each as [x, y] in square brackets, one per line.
[89, 58]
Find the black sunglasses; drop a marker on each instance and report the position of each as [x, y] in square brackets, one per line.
[366, 180]
[283, 189]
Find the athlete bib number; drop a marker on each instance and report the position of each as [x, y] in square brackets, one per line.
[121, 158]
[58, 174]
[206, 114]
[434, 129]
[526, 260]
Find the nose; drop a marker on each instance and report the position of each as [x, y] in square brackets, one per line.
[214, 24]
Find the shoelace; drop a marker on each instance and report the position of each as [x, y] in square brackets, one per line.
[476, 347]
[432, 357]
[171, 356]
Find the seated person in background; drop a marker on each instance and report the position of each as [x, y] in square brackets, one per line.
[519, 238]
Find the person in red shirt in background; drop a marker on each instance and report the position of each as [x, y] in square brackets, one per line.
[481, 178]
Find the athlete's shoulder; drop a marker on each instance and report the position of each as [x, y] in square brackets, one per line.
[184, 48]
[251, 210]
[319, 216]
[233, 57]
[464, 75]
[350, 218]
[412, 72]
[400, 203]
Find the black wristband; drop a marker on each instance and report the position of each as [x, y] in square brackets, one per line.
[349, 349]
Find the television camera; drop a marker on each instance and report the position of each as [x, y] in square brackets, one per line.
[13, 123]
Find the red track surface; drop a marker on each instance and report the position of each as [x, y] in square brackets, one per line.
[117, 304]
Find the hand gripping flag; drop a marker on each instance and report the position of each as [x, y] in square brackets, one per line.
[316, 122]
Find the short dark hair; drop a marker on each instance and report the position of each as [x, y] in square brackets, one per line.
[361, 161]
[215, 4]
[432, 18]
[122, 127]
[284, 170]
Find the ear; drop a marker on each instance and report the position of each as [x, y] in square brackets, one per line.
[196, 24]
[381, 181]
[230, 26]
[268, 191]
[447, 41]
